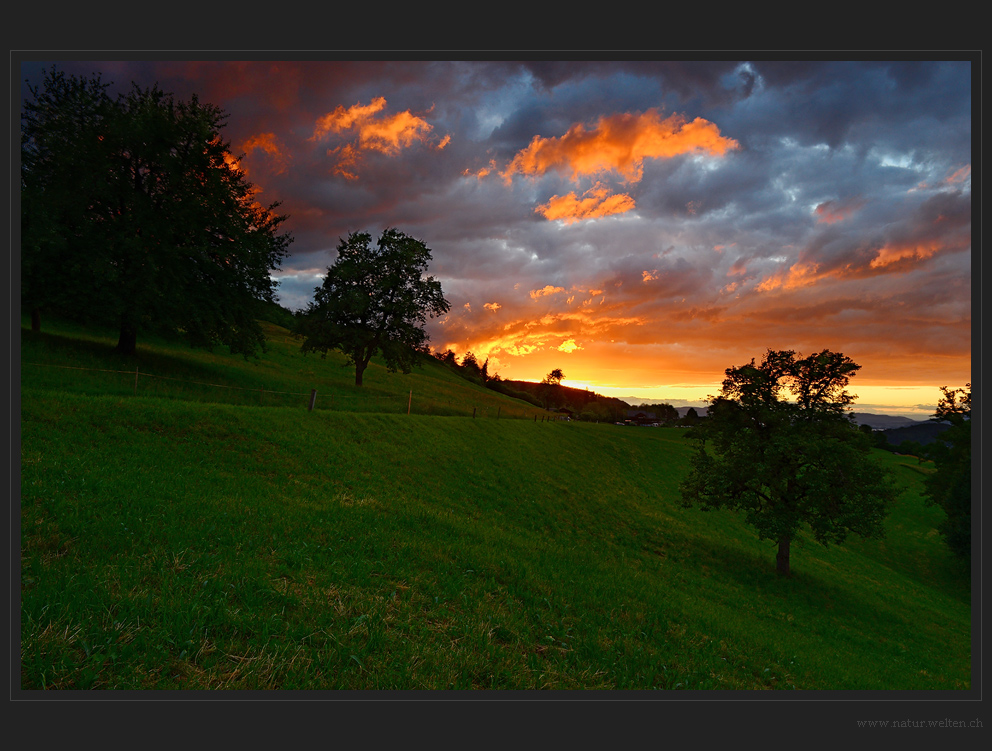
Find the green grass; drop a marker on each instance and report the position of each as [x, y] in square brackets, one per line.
[171, 542]
[69, 357]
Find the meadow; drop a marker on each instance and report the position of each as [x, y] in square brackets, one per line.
[197, 527]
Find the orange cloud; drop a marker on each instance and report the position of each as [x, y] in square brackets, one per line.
[960, 175]
[375, 130]
[342, 119]
[893, 253]
[267, 142]
[830, 212]
[738, 267]
[649, 276]
[232, 162]
[891, 257]
[595, 202]
[619, 143]
[493, 306]
[347, 160]
[801, 274]
[482, 171]
[548, 290]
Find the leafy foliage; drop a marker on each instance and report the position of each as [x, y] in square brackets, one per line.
[789, 465]
[135, 213]
[375, 298]
[950, 486]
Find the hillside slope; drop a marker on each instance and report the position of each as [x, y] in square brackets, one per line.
[173, 543]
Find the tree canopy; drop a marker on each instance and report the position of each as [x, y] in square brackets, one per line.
[950, 485]
[135, 213]
[789, 464]
[375, 298]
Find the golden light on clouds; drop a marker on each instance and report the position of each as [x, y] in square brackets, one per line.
[267, 143]
[374, 129]
[619, 143]
[800, 274]
[595, 202]
[886, 258]
[481, 172]
[830, 212]
[547, 290]
[893, 253]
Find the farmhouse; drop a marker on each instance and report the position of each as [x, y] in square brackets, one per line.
[636, 417]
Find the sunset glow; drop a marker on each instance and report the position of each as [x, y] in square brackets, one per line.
[640, 225]
[373, 129]
[619, 142]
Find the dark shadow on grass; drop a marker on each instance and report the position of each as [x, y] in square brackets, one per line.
[806, 588]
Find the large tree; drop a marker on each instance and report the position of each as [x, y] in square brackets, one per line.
[780, 445]
[135, 213]
[376, 297]
[61, 155]
[950, 485]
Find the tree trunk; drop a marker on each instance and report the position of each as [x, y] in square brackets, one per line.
[359, 369]
[36, 319]
[782, 559]
[128, 340]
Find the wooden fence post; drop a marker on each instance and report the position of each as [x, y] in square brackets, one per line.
[409, 403]
[313, 399]
[135, 380]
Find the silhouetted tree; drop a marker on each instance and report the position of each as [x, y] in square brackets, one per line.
[914, 449]
[135, 213]
[950, 485]
[470, 363]
[665, 413]
[375, 298]
[793, 464]
[448, 357]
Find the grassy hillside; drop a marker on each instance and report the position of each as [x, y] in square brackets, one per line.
[175, 539]
[69, 357]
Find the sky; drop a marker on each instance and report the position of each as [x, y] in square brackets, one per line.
[641, 225]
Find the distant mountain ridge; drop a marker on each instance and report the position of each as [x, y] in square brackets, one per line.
[878, 422]
[885, 422]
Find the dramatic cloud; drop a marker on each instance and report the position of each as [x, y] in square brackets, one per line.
[595, 202]
[649, 224]
[267, 143]
[547, 290]
[619, 143]
[375, 131]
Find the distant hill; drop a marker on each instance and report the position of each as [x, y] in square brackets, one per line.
[884, 422]
[566, 396]
[922, 433]
[636, 401]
